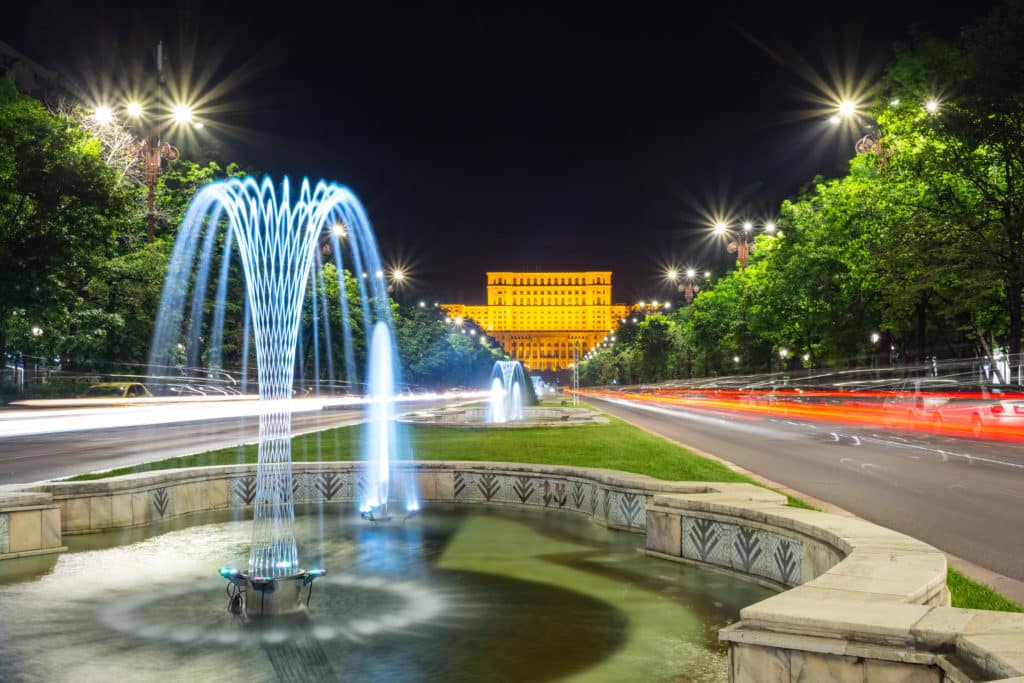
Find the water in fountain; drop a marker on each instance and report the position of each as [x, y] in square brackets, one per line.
[279, 239]
[506, 401]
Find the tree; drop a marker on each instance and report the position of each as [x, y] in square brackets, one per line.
[965, 156]
[60, 209]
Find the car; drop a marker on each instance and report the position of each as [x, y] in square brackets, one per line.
[117, 390]
[917, 402]
[983, 408]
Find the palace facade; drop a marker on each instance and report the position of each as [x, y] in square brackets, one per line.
[539, 317]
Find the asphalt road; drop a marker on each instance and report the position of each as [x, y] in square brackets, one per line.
[965, 497]
[27, 459]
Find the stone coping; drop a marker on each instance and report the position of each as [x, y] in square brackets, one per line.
[533, 416]
[860, 594]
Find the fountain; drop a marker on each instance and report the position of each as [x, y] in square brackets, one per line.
[506, 399]
[278, 238]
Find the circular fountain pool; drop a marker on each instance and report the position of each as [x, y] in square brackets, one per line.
[456, 594]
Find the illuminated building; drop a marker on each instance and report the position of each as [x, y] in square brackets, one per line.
[538, 317]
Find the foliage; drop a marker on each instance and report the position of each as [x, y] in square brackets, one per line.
[60, 208]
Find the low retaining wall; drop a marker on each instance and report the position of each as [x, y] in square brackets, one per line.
[860, 602]
[30, 524]
[533, 416]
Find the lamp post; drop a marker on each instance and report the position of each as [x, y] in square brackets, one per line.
[689, 288]
[153, 149]
[743, 243]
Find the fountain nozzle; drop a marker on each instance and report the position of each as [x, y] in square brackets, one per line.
[262, 596]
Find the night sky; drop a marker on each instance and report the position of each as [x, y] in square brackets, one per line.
[510, 136]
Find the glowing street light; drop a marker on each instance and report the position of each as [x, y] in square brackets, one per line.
[103, 114]
[181, 113]
[769, 228]
[721, 228]
[847, 109]
[671, 274]
[37, 331]
[691, 273]
[931, 106]
[134, 109]
[339, 230]
[875, 337]
[423, 304]
[397, 274]
[783, 353]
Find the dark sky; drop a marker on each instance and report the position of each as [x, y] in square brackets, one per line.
[507, 135]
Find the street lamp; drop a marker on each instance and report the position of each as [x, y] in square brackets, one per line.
[742, 245]
[689, 288]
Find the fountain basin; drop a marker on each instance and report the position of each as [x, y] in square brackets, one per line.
[859, 595]
[461, 593]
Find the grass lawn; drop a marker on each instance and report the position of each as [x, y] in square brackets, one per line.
[615, 445]
[974, 595]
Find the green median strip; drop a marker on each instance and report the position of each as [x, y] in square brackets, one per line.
[616, 445]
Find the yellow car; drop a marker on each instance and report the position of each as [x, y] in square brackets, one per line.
[117, 390]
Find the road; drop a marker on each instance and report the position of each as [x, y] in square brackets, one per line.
[962, 496]
[38, 457]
